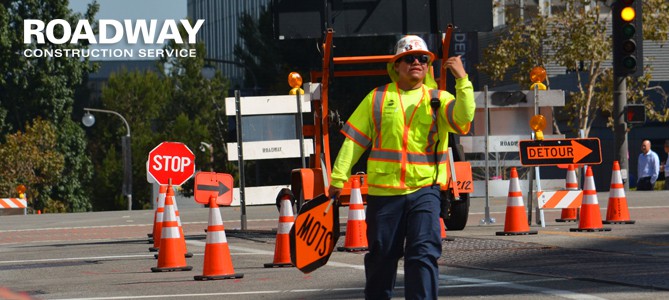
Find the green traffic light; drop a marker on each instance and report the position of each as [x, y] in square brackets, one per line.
[628, 30]
[629, 62]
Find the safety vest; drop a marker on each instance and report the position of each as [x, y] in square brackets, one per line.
[403, 148]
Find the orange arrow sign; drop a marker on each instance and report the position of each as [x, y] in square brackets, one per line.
[575, 151]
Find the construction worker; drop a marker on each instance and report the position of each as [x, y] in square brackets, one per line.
[408, 137]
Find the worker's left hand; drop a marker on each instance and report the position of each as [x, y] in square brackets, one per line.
[455, 65]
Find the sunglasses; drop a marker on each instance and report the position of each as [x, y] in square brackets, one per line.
[409, 59]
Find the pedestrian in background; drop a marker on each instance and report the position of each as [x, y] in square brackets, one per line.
[406, 124]
[648, 168]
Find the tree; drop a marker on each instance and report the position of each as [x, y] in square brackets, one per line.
[30, 158]
[43, 87]
[574, 38]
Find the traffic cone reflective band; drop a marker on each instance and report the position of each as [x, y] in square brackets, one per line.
[591, 217]
[158, 223]
[570, 214]
[616, 210]
[217, 260]
[171, 255]
[356, 226]
[515, 222]
[282, 246]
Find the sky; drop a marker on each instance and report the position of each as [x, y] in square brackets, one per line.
[134, 9]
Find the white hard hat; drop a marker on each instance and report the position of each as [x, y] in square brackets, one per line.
[411, 44]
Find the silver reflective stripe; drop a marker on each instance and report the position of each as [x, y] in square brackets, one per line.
[385, 155]
[378, 109]
[356, 214]
[215, 217]
[169, 216]
[449, 113]
[356, 136]
[284, 227]
[159, 217]
[425, 158]
[170, 233]
[216, 237]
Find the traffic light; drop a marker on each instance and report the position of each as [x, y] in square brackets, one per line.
[627, 38]
[635, 113]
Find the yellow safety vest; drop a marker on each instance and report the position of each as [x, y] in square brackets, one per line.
[403, 139]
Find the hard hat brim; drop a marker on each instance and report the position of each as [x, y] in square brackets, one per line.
[428, 53]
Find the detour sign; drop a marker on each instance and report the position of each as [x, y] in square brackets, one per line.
[555, 152]
[314, 234]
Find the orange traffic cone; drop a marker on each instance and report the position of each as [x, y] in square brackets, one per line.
[181, 230]
[158, 222]
[616, 210]
[217, 260]
[591, 218]
[515, 222]
[286, 221]
[444, 237]
[172, 242]
[570, 214]
[356, 226]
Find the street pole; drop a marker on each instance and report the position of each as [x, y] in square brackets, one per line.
[126, 150]
[620, 127]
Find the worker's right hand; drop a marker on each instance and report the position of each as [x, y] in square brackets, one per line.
[334, 191]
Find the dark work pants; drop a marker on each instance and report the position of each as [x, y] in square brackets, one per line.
[391, 220]
[644, 184]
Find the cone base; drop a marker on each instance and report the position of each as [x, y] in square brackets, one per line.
[516, 233]
[619, 222]
[352, 249]
[187, 254]
[278, 265]
[184, 268]
[566, 220]
[589, 229]
[150, 235]
[448, 239]
[150, 241]
[219, 277]
[154, 249]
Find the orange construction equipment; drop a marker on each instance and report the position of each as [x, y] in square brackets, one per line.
[570, 214]
[356, 226]
[616, 210]
[515, 222]
[217, 260]
[286, 220]
[172, 243]
[591, 217]
[158, 218]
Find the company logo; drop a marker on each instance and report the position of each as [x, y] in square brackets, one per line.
[146, 32]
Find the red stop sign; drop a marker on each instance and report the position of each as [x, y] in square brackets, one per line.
[171, 160]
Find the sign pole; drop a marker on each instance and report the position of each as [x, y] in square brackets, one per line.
[240, 158]
[486, 218]
[537, 171]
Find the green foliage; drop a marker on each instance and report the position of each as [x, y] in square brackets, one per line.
[43, 87]
[30, 158]
[574, 38]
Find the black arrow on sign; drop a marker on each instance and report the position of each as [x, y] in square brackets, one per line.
[221, 188]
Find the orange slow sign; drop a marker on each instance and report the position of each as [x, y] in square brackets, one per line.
[210, 184]
[314, 234]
